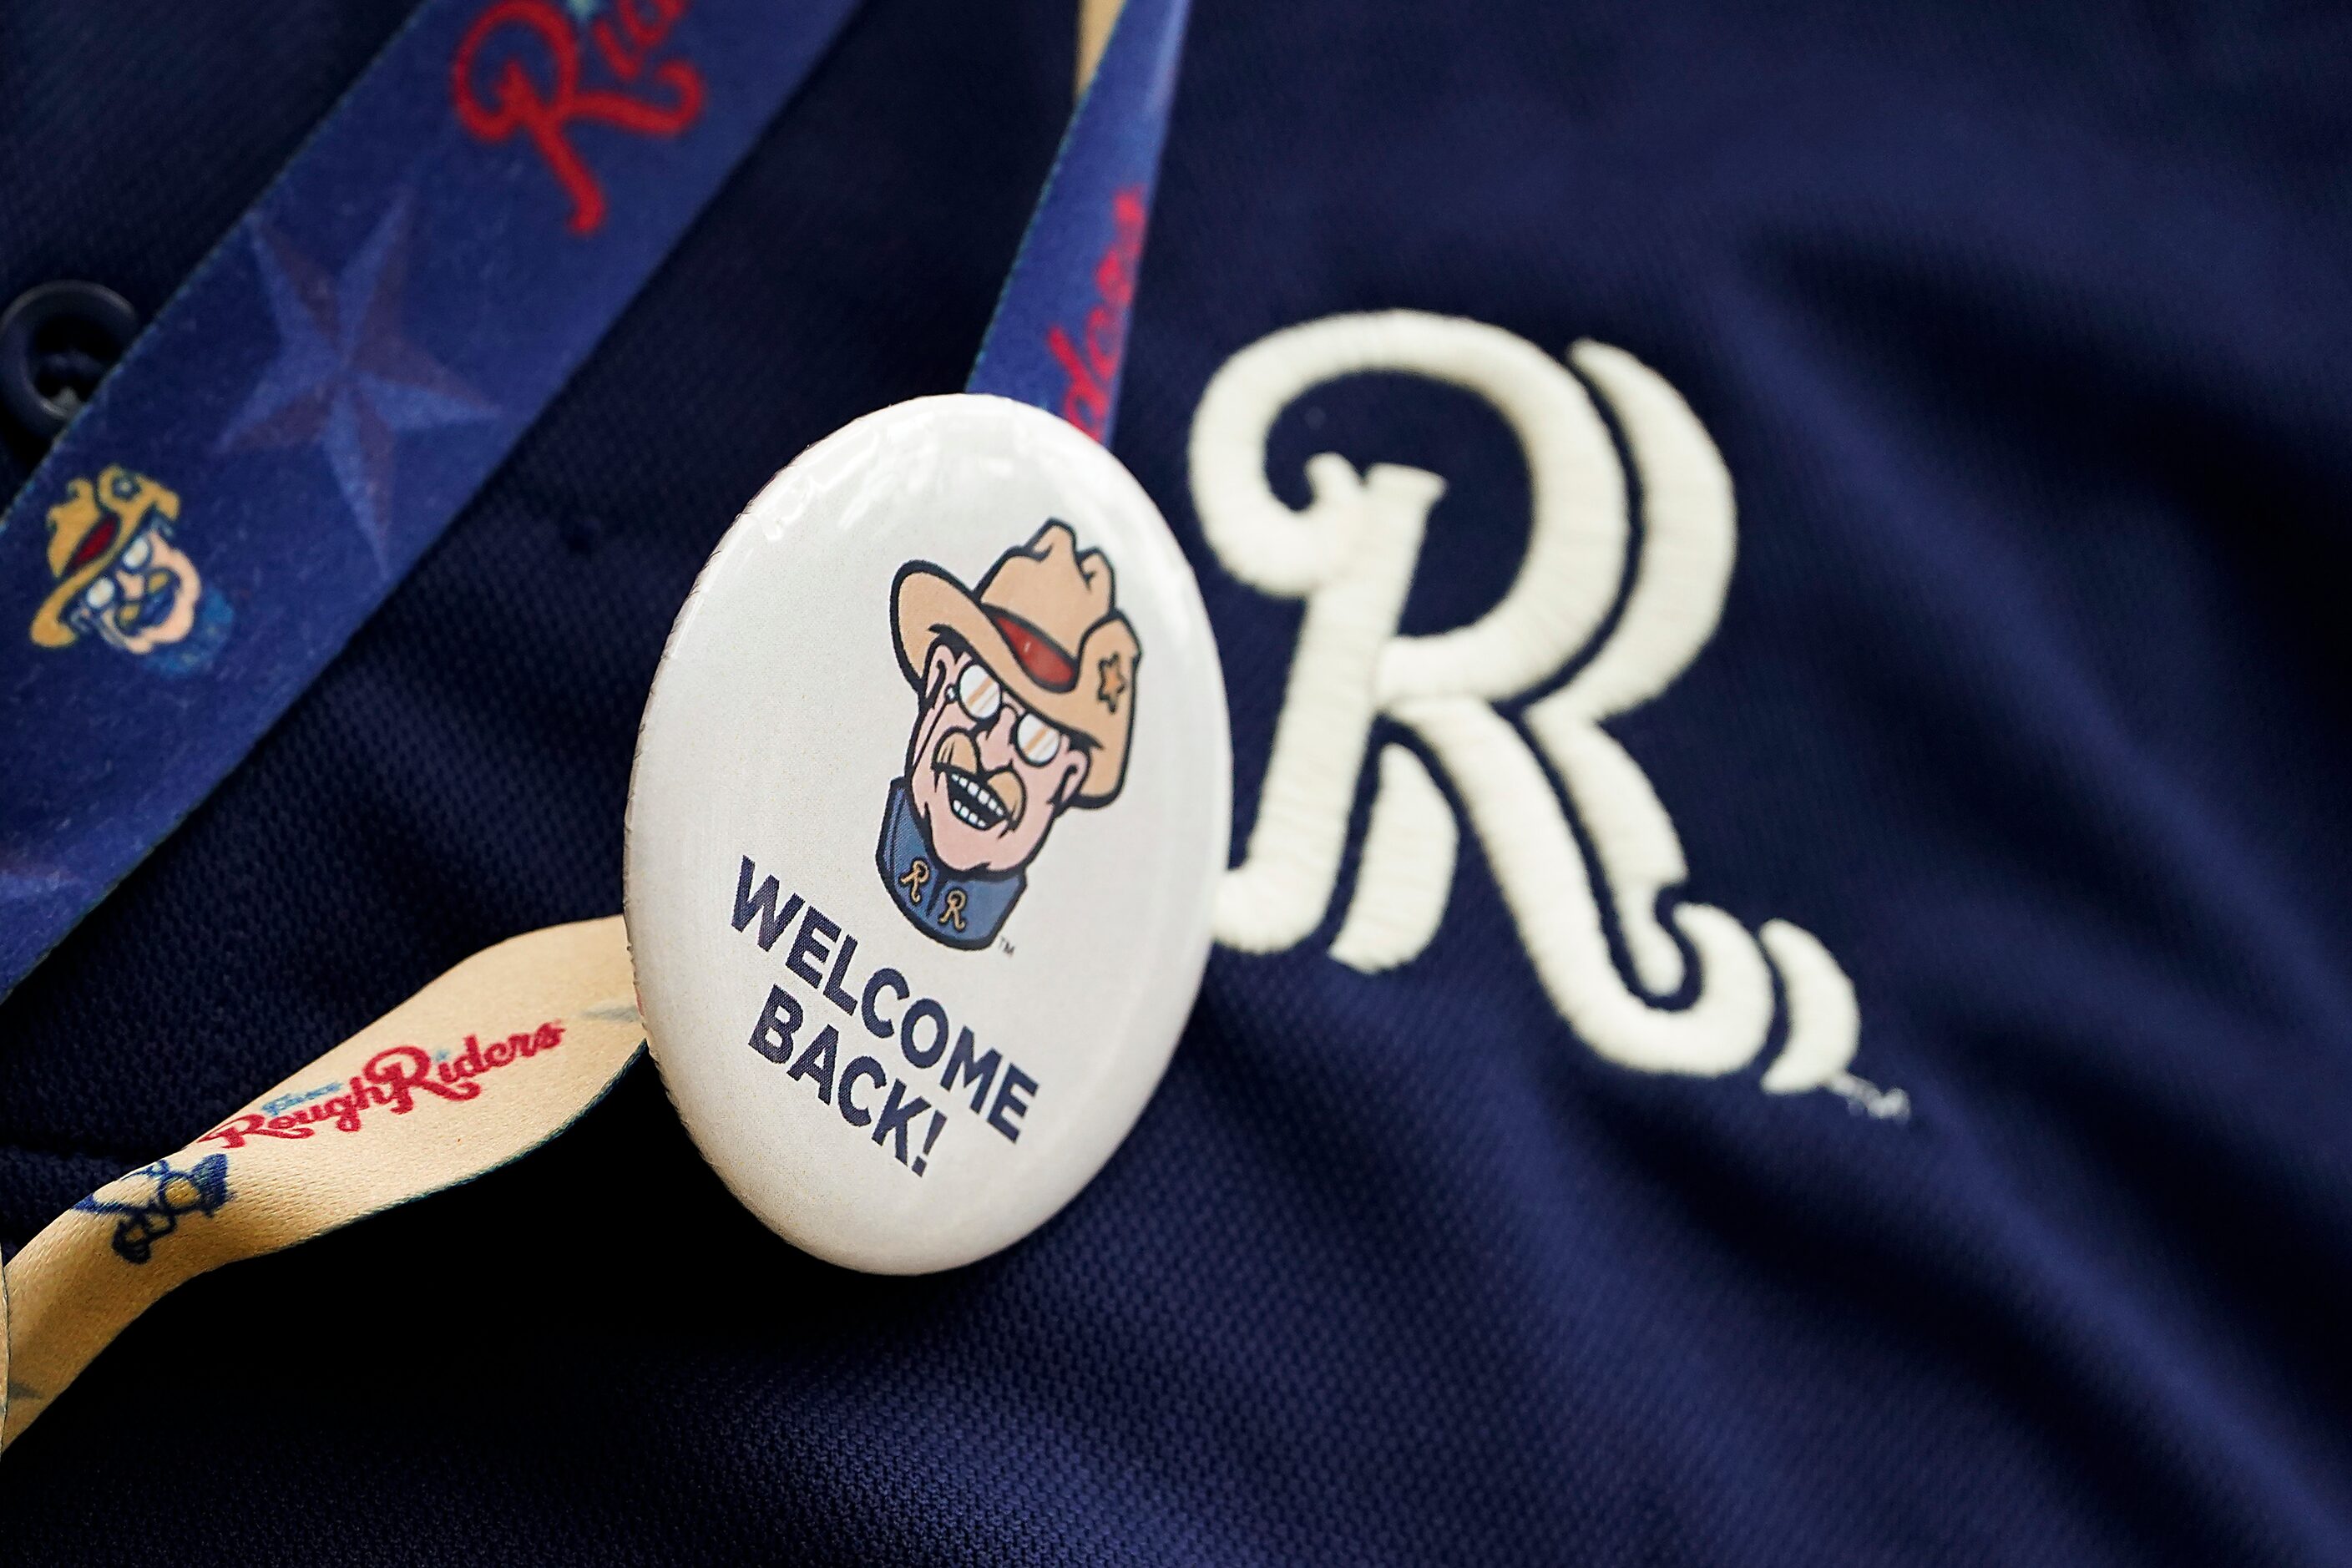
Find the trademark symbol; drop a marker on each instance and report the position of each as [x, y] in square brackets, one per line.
[1004, 946]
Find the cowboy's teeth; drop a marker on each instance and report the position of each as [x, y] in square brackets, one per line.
[973, 803]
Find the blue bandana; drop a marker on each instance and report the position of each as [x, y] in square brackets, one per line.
[961, 910]
[192, 653]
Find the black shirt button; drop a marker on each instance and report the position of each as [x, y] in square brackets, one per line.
[55, 344]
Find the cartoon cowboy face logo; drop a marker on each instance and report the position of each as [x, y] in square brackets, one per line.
[121, 579]
[1026, 693]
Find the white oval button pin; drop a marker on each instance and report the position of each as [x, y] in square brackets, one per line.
[931, 798]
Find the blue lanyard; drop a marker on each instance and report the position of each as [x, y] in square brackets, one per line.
[1059, 337]
[346, 369]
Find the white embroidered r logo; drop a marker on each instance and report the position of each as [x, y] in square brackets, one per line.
[1351, 557]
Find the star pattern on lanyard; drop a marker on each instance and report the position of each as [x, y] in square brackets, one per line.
[345, 379]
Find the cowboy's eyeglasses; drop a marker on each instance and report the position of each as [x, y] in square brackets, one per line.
[134, 558]
[979, 692]
[1037, 740]
[982, 695]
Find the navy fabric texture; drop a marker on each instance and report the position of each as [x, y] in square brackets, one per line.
[2025, 334]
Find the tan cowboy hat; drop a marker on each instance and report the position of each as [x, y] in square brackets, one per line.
[85, 537]
[1045, 624]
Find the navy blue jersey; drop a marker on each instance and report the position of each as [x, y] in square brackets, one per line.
[1792, 1002]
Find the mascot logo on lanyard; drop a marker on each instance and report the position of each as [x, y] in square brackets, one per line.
[1027, 698]
[122, 579]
